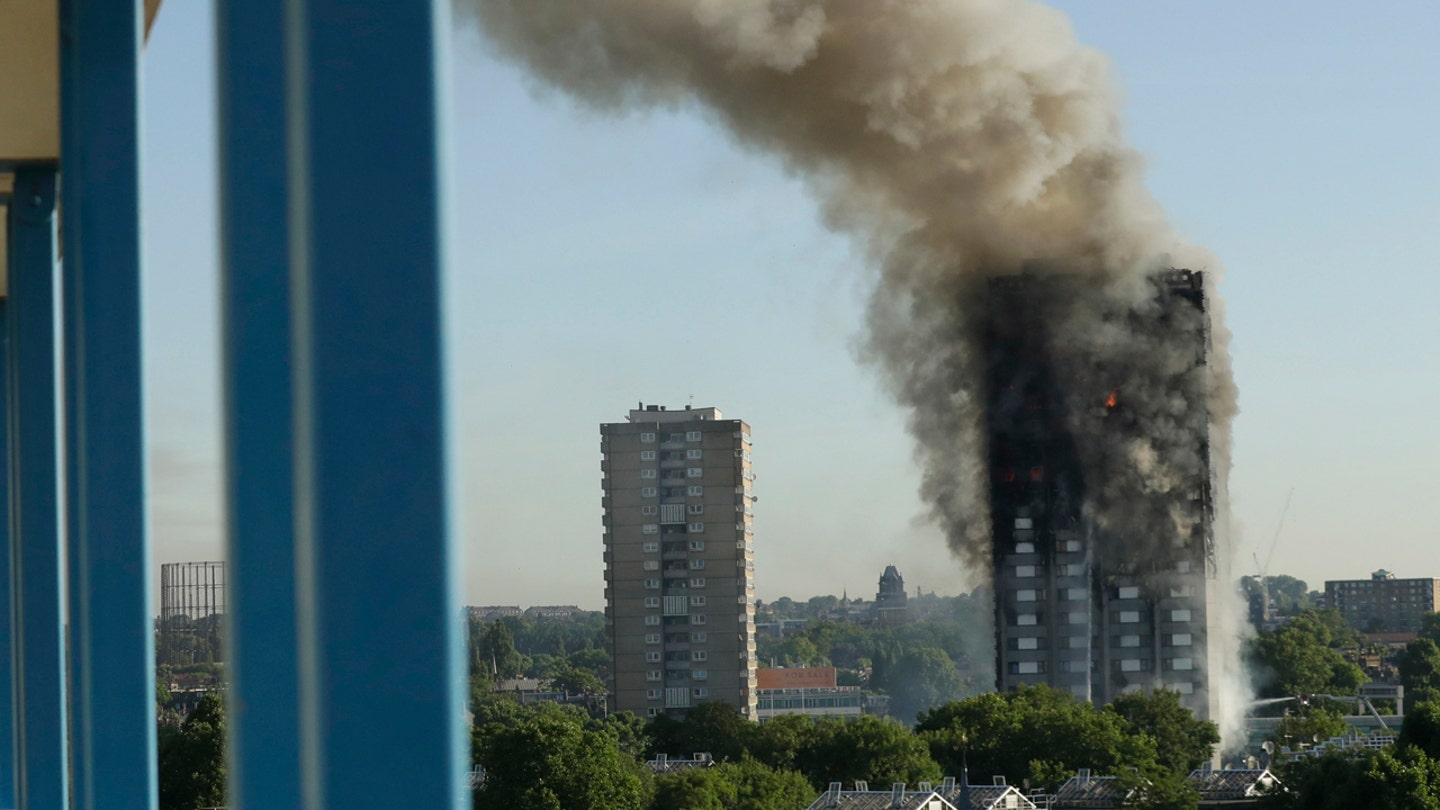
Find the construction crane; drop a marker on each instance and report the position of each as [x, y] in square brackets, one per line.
[1262, 570]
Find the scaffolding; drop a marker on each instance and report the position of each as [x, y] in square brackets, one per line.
[192, 610]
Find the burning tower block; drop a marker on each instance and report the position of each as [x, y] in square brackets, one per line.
[1101, 485]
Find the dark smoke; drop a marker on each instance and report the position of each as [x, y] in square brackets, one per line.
[955, 139]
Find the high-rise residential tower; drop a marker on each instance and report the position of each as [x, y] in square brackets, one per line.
[1104, 570]
[679, 561]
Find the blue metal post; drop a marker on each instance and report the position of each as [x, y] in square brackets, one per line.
[37, 609]
[379, 618]
[112, 634]
[7, 579]
[264, 742]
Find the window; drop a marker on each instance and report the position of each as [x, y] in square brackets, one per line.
[1182, 664]
[1027, 643]
[652, 657]
[1129, 641]
[697, 564]
[1077, 617]
[1184, 688]
[652, 694]
[693, 453]
[1024, 570]
[1182, 567]
[652, 712]
[650, 546]
[647, 455]
[1130, 665]
[699, 674]
[694, 472]
[697, 545]
[1077, 594]
[1128, 592]
[652, 565]
[1026, 595]
[699, 638]
[1079, 642]
[1024, 523]
[652, 583]
[697, 582]
[697, 601]
[1026, 619]
[1024, 548]
[647, 437]
[1072, 545]
[1181, 640]
[652, 620]
[695, 528]
[647, 492]
[695, 490]
[1182, 590]
[652, 601]
[1180, 615]
[697, 618]
[647, 473]
[699, 655]
[674, 437]
[648, 510]
[652, 638]
[672, 513]
[1074, 570]
[700, 692]
[652, 675]
[650, 528]
[1027, 667]
[1129, 616]
[692, 435]
[696, 509]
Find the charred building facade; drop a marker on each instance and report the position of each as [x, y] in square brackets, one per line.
[1100, 486]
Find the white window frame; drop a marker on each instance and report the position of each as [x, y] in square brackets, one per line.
[697, 545]
[652, 601]
[697, 618]
[652, 584]
[650, 547]
[651, 565]
[699, 655]
[697, 582]
[693, 435]
[648, 473]
[649, 510]
[699, 675]
[699, 638]
[700, 692]
[652, 621]
[697, 601]
[647, 455]
[650, 528]
[695, 508]
[653, 675]
[693, 454]
[695, 490]
[696, 565]
[647, 437]
[647, 492]
[652, 638]
[695, 528]
[652, 657]
[694, 472]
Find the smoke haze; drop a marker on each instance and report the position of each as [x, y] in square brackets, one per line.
[954, 140]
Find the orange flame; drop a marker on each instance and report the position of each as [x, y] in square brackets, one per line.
[1114, 398]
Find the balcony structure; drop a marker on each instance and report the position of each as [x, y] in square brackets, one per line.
[334, 417]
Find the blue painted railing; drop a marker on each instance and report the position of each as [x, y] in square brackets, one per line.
[344, 619]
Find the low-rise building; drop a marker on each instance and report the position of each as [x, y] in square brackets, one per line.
[1235, 787]
[664, 763]
[1383, 603]
[949, 796]
[805, 690]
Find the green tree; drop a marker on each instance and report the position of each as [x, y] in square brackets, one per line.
[1385, 780]
[1419, 667]
[1036, 733]
[916, 680]
[550, 761]
[1182, 741]
[744, 785]
[866, 747]
[192, 759]
[714, 727]
[1421, 729]
[575, 681]
[1302, 657]
[497, 650]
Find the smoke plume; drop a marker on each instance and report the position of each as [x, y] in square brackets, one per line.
[955, 140]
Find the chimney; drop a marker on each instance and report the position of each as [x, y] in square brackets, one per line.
[862, 785]
[947, 783]
[1084, 775]
[897, 795]
[999, 781]
[833, 794]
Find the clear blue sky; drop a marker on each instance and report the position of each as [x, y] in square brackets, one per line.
[601, 261]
